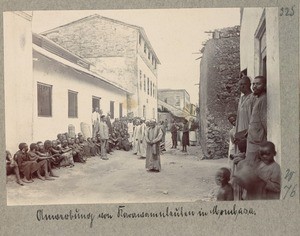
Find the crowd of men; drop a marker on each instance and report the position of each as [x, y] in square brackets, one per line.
[144, 137]
[253, 172]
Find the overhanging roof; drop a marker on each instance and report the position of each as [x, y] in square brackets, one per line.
[75, 67]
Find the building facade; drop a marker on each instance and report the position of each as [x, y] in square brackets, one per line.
[178, 98]
[260, 55]
[66, 91]
[118, 51]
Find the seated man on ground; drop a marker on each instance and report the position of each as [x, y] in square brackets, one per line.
[113, 140]
[93, 149]
[33, 156]
[12, 167]
[125, 142]
[67, 153]
[43, 152]
[76, 152]
[55, 151]
[27, 166]
[85, 146]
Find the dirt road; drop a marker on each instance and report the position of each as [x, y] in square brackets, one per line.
[122, 179]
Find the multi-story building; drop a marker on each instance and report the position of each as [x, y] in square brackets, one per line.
[178, 98]
[49, 86]
[118, 51]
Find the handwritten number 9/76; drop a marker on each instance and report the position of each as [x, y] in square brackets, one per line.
[289, 190]
[287, 11]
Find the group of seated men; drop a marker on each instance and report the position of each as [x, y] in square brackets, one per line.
[39, 159]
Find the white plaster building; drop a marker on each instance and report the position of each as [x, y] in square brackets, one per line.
[117, 51]
[260, 55]
[47, 87]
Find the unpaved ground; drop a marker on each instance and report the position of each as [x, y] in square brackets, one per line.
[122, 179]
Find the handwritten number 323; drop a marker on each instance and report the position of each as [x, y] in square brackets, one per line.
[287, 11]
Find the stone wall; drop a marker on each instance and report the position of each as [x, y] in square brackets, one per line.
[101, 41]
[219, 74]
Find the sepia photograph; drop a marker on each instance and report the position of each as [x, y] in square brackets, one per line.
[150, 112]
[135, 106]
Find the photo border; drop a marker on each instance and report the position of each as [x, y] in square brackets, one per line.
[271, 217]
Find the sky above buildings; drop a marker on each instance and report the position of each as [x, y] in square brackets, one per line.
[175, 35]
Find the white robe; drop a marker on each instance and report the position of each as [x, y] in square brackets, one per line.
[135, 143]
[142, 146]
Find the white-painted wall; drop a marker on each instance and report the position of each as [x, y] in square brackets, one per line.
[273, 83]
[250, 21]
[250, 61]
[144, 99]
[62, 79]
[18, 82]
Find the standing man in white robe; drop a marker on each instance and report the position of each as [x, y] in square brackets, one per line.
[153, 138]
[142, 139]
[135, 144]
[95, 121]
[104, 136]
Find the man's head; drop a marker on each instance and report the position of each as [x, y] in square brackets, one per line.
[96, 109]
[232, 119]
[54, 143]
[64, 143]
[40, 146]
[33, 147]
[259, 85]
[102, 118]
[47, 144]
[267, 152]
[152, 123]
[23, 147]
[222, 176]
[245, 85]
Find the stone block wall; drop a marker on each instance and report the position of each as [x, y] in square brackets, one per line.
[219, 75]
[110, 45]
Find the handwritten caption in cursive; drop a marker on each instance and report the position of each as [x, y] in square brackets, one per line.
[125, 213]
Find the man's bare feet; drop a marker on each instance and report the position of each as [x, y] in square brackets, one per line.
[27, 181]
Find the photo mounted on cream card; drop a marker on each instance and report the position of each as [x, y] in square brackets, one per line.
[137, 106]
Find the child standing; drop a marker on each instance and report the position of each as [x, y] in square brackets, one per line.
[269, 171]
[225, 192]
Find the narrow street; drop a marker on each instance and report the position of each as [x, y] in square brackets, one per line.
[123, 179]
